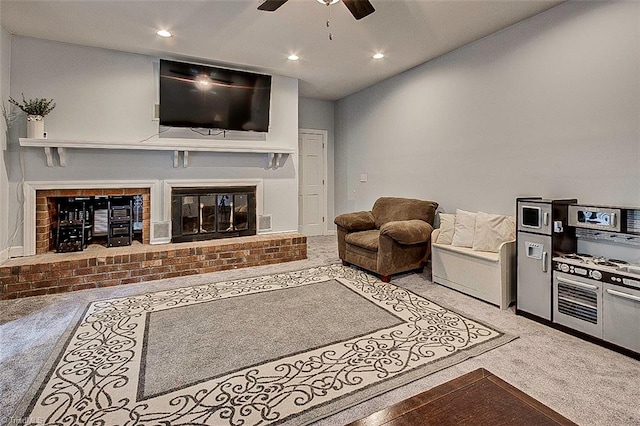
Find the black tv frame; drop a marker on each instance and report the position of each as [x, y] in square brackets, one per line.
[209, 97]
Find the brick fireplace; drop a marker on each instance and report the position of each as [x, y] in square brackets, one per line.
[53, 273]
[42, 271]
[48, 272]
[46, 211]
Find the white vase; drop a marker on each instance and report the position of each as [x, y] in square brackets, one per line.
[35, 127]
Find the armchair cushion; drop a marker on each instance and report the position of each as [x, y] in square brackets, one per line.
[413, 231]
[388, 209]
[366, 239]
[355, 221]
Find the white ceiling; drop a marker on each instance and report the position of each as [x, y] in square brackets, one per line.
[234, 33]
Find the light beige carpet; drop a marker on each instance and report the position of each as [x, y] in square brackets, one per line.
[286, 348]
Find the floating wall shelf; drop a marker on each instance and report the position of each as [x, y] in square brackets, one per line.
[276, 156]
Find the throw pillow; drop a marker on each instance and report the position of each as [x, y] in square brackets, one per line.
[464, 229]
[447, 224]
[493, 230]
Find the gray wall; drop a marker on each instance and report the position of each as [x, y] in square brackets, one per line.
[104, 95]
[319, 115]
[5, 61]
[549, 106]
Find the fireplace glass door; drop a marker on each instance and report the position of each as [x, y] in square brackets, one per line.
[203, 214]
[207, 213]
[225, 212]
[240, 211]
[190, 214]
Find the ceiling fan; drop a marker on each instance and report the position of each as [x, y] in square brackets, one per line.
[358, 8]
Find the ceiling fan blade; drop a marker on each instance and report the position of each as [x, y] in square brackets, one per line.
[271, 5]
[359, 8]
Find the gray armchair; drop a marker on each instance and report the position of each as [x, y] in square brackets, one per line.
[393, 237]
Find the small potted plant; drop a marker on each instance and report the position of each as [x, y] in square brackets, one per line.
[36, 109]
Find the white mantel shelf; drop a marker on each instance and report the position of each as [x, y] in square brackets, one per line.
[276, 156]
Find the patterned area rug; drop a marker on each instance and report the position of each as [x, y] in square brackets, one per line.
[280, 349]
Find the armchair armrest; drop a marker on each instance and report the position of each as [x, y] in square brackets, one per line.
[407, 231]
[355, 221]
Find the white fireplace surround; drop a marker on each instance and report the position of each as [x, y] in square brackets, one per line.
[160, 200]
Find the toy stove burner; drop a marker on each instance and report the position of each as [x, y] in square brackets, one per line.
[594, 261]
[604, 262]
[609, 262]
[571, 256]
[582, 257]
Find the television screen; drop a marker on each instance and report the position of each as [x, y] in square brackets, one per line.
[215, 98]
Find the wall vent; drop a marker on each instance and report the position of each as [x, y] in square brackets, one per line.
[161, 230]
[264, 222]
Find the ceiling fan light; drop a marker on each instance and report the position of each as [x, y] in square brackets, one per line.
[327, 2]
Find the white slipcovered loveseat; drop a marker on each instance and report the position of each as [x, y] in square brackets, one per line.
[474, 253]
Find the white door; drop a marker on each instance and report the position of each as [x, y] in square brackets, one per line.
[311, 190]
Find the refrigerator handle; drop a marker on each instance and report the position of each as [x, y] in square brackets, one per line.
[544, 261]
[545, 218]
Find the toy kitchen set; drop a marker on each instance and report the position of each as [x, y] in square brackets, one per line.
[578, 270]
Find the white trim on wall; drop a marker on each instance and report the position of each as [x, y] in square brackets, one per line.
[160, 200]
[5, 74]
[30, 188]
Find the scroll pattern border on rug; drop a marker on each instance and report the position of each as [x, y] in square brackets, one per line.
[96, 378]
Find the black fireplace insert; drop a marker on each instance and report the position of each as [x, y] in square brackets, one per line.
[207, 213]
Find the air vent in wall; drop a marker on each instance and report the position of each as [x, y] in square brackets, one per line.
[161, 230]
[264, 222]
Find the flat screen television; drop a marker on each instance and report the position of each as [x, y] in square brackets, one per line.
[200, 96]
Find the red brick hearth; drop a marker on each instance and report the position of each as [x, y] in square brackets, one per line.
[103, 267]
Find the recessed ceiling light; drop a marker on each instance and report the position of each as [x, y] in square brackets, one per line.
[378, 56]
[293, 57]
[163, 33]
